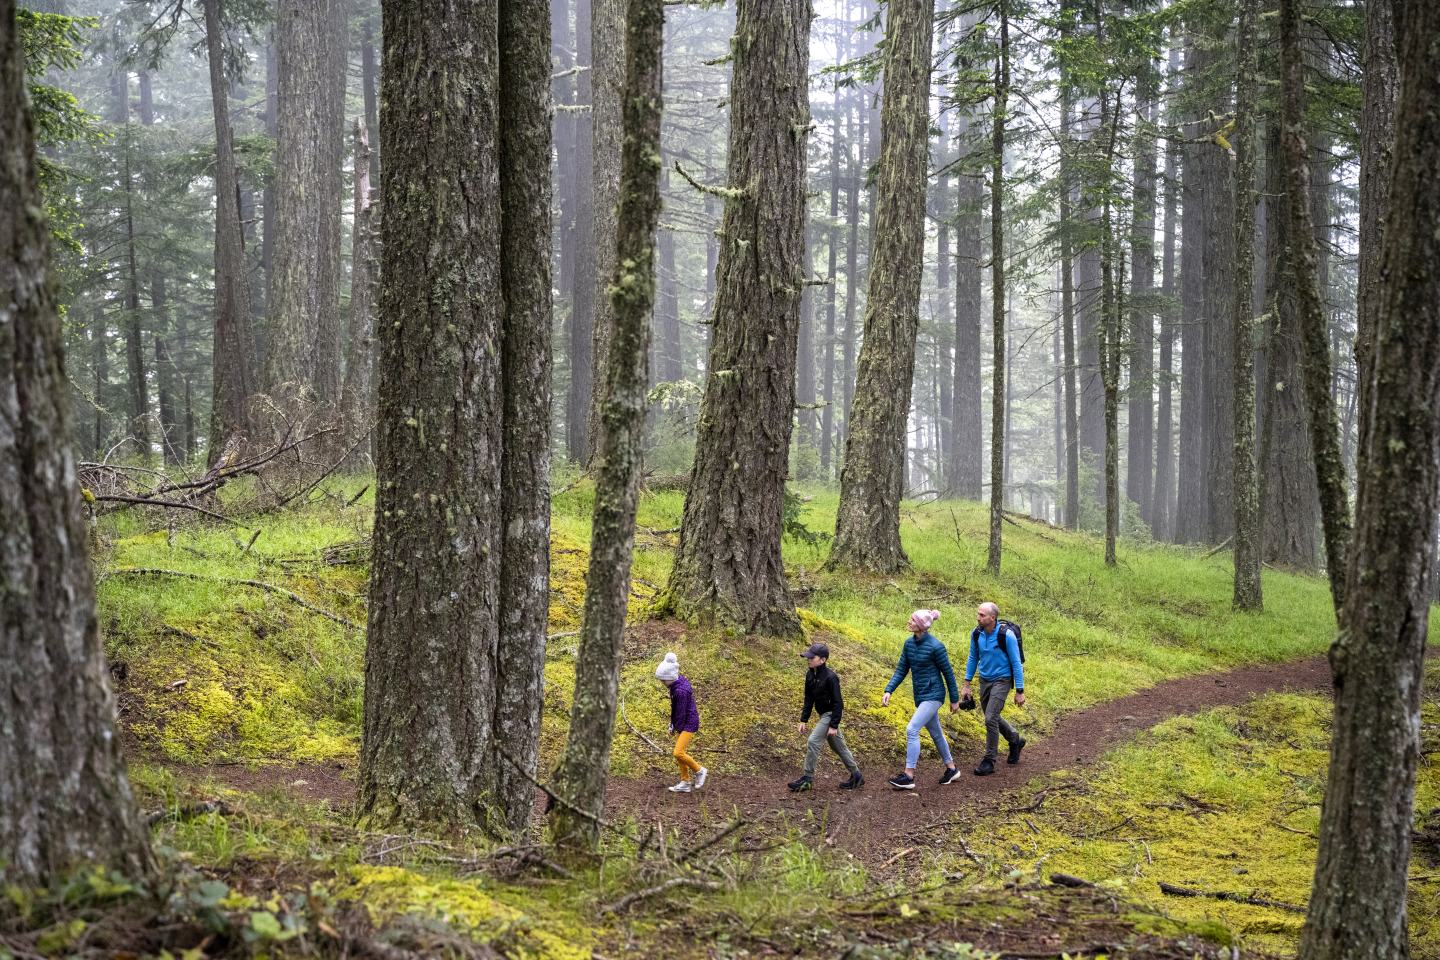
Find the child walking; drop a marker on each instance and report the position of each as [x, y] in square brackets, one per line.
[684, 724]
[822, 695]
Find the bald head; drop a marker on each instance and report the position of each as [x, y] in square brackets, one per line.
[985, 616]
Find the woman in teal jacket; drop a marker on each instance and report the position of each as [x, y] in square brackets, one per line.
[931, 677]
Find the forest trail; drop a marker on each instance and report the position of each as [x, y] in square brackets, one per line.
[876, 822]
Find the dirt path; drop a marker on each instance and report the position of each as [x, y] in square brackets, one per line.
[874, 821]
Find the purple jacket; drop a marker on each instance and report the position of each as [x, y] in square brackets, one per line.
[684, 715]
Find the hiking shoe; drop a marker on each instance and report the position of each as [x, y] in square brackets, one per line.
[682, 787]
[985, 768]
[700, 777]
[903, 782]
[1015, 747]
[800, 785]
[856, 781]
[949, 775]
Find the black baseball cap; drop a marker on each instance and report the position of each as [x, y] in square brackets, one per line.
[817, 650]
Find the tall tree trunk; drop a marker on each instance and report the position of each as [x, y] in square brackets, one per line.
[370, 95]
[1067, 314]
[526, 116]
[231, 372]
[1140, 427]
[852, 264]
[805, 353]
[303, 356]
[267, 199]
[457, 583]
[1109, 330]
[867, 527]
[137, 389]
[607, 45]
[1380, 84]
[1218, 331]
[1357, 905]
[1163, 516]
[827, 363]
[941, 315]
[669, 356]
[998, 406]
[1290, 500]
[100, 367]
[728, 567]
[585, 280]
[584, 765]
[65, 802]
[1191, 500]
[1315, 357]
[358, 394]
[1247, 594]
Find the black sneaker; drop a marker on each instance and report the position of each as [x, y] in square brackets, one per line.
[903, 782]
[801, 785]
[855, 782]
[1016, 746]
[986, 767]
[949, 775]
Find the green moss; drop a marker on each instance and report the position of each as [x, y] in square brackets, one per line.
[388, 892]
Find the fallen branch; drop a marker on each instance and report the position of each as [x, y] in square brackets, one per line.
[257, 584]
[734, 825]
[1172, 890]
[554, 797]
[670, 884]
[1066, 880]
[159, 502]
[636, 730]
[1208, 554]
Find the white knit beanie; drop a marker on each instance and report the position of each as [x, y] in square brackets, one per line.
[669, 668]
[924, 618]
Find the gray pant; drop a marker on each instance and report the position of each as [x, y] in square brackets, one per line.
[993, 694]
[818, 738]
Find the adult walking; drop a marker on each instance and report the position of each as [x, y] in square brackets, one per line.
[931, 676]
[996, 658]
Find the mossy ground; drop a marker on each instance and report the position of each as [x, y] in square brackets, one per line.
[266, 680]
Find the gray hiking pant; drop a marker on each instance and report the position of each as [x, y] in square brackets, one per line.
[818, 738]
[993, 694]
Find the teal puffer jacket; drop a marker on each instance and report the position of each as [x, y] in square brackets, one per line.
[928, 662]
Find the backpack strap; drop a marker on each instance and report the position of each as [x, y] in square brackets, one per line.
[1001, 628]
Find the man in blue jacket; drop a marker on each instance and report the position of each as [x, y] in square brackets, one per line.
[997, 660]
[928, 663]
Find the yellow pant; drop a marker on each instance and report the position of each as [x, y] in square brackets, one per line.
[683, 760]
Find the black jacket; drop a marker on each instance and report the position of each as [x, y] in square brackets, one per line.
[822, 692]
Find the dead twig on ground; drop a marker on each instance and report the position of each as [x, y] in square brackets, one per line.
[1172, 890]
[659, 888]
[257, 584]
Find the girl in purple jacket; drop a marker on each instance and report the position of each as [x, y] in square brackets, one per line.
[684, 724]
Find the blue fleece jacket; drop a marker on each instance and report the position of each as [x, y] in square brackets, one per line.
[928, 662]
[996, 661]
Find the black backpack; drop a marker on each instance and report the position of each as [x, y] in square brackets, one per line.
[1001, 626]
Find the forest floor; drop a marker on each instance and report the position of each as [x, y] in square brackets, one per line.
[1171, 741]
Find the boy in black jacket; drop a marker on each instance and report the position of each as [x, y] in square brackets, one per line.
[822, 693]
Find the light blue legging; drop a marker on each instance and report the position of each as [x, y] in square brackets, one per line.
[926, 717]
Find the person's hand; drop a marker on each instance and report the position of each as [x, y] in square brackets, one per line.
[885, 700]
[965, 690]
[1019, 698]
[672, 731]
[955, 706]
[833, 731]
[801, 728]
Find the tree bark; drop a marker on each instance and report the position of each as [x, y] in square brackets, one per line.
[457, 583]
[728, 568]
[1191, 500]
[998, 399]
[1163, 515]
[1109, 330]
[827, 347]
[358, 394]
[303, 355]
[231, 372]
[607, 39]
[369, 94]
[1140, 426]
[1357, 904]
[1290, 499]
[584, 765]
[1247, 588]
[1067, 314]
[867, 528]
[65, 801]
[526, 116]
[1380, 87]
[585, 283]
[1315, 357]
